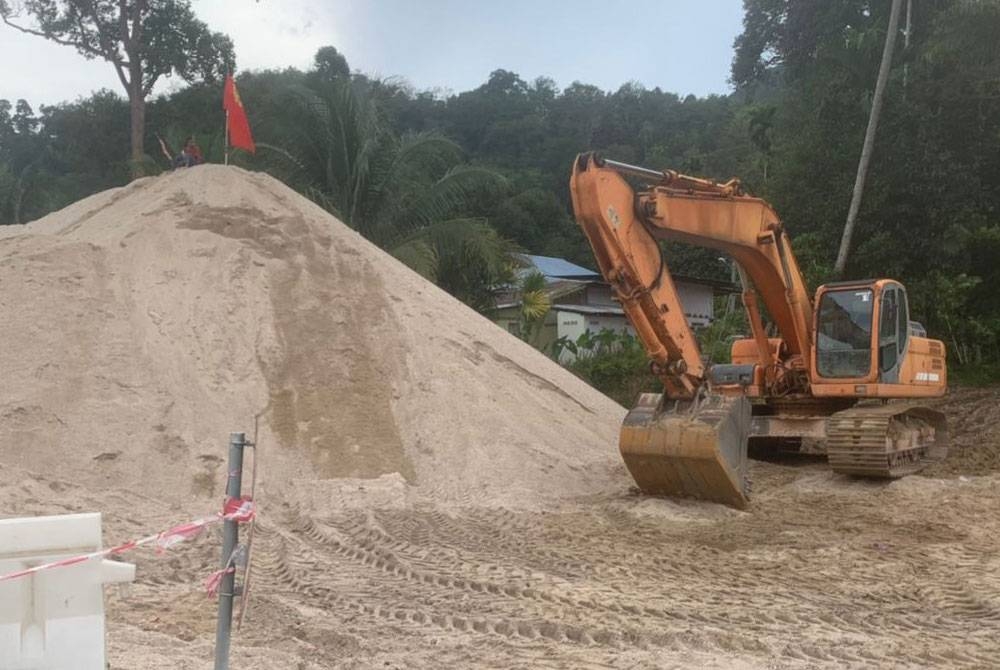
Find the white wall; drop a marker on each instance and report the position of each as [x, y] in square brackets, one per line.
[697, 302]
[600, 294]
[572, 325]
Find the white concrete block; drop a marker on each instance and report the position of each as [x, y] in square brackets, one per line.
[54, 619]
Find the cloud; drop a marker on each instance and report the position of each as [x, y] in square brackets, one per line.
[271, 33]
[266, 34]
[451, 44]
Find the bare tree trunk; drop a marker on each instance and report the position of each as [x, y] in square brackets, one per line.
[138, 130]
[19, 196]
[866, 150]
[906, 42]
[137, 107]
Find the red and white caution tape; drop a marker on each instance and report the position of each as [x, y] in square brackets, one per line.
[240, 510]
[213, 580]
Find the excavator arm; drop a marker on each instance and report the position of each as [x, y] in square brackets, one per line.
[691, 440]
[624, 229]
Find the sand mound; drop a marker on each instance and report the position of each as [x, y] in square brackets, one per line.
[143, 324]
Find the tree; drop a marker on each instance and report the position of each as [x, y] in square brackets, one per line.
[535, 306]
[411, 194]
[144, 40]
[23, 152]
[866, 150]
[331, 64]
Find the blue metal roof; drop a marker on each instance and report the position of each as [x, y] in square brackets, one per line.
[558, 267]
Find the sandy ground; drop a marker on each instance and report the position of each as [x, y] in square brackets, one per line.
[434, 493]
[821, 571]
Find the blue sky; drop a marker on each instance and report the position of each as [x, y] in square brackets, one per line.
[450, 45]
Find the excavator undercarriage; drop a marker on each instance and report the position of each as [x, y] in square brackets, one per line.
[885, 440]
[698, 449]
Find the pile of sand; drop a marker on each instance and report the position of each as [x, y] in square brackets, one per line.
[143, 324]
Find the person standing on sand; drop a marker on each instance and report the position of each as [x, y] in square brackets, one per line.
[190, 155]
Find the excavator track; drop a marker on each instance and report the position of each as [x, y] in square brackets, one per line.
[885, 441]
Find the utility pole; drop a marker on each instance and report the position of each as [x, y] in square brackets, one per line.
[230, 547]
[906, 41]
[866, 150]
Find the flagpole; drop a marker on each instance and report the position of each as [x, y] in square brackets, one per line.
[227, 137]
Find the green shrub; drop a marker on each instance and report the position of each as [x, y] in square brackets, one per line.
[614, 363]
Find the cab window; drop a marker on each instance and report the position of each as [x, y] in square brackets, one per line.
[903, 321]
[888, 327]
[844, 338]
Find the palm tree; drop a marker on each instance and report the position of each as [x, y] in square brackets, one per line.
[535, 305]
[410, 195]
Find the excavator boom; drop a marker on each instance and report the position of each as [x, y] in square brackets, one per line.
[624, 229]
[686, 442]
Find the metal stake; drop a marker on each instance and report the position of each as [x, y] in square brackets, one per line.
[230, 538]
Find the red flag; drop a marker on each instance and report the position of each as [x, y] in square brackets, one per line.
[239, 126]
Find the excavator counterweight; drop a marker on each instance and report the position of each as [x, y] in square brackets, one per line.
[853, 343]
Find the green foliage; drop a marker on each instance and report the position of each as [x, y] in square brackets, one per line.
[971, 333]
[716, 340]
[416, 171]
[330, 64]
[67, 152]
[973, 375]
[411, 194]
[535, 306]
[613, 362]
[148, 38]
[465, 257]
[538, 222]
[930, 215]
[144, 40]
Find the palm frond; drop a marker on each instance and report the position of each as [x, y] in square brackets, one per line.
[427, 152]
[534, 305]
[419, 255]
[534, 281]
[472, 259]
[458, 190]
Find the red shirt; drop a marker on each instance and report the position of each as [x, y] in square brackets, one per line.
[195, 153]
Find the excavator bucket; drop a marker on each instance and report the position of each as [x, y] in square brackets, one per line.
[695, 449]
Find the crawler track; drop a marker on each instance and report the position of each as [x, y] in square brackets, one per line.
[885, 441]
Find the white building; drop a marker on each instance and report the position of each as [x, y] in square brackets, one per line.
[583, 302]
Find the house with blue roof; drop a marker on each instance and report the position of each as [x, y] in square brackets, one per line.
[582, 301]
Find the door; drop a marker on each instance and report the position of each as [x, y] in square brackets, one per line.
[893, 327]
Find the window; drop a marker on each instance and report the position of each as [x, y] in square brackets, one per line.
[844, 344]
[904, 320]
[888, 336]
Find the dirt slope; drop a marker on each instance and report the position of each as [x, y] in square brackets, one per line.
[149, 321]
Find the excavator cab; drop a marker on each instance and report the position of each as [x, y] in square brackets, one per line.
[865, 346]
[844, 328]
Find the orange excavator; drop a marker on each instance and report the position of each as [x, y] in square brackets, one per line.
[848, 368]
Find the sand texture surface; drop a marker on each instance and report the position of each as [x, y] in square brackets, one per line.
[434, 493]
